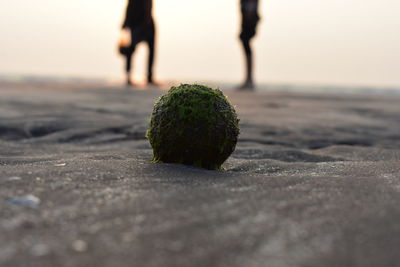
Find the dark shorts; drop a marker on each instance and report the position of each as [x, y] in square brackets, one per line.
[142, 33]
[139, 33]
[249, 27]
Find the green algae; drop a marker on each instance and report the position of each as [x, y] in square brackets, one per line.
[193, 125]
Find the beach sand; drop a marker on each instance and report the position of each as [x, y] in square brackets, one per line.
[314, 181]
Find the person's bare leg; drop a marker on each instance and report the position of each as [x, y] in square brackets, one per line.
[135, 40]
[248, 83]
[150, 63]
[128, 67]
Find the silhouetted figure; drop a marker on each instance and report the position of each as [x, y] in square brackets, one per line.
[250, 18]
[139, 20]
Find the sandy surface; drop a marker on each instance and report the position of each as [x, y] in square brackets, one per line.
[314, 181]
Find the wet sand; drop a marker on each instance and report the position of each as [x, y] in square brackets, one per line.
[314, 181]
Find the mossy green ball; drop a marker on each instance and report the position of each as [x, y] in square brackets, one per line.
[193, 125]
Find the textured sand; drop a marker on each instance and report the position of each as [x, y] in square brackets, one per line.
[314, 181]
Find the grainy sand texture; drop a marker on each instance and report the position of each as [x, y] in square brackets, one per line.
[314, 181]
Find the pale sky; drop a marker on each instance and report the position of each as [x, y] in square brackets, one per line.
[338, 42]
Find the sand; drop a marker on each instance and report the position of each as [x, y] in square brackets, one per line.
[314, 181]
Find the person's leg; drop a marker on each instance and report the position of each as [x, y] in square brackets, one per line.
[128, 67]
[249, 62]
[248, 83]
[151, 44]
[135, 39]
[248, 32]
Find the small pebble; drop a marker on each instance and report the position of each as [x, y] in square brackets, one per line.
[60, 164]
[128, 237]
[79, 246]
[26, 201]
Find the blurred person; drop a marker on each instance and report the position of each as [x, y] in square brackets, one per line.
[250, 18]
[139, 21]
